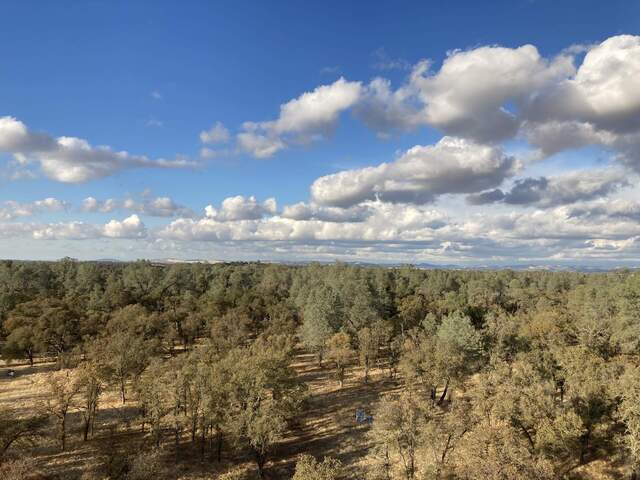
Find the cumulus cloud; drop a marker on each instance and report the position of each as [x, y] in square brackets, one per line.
[66, 231]
[600, 105]
[241, 208]
[218, 133]
[13, 209]
[157, 207]
[130, 227]
[473, 94]
[494, 93]
[302, 120]
[70, 159]
[453, 165]
[91, 204]
[556, 190]
[153, 207]
[604, 91]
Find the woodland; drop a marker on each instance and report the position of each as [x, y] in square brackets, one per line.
[234, 371]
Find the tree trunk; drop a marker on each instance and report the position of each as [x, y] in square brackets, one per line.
[444, 393]
[219, 446]
[203, 440]
[122, 391]
[63, 432]
[85, 429]
[387, 464]
[584, 444]
[177, 442]
[261, 459]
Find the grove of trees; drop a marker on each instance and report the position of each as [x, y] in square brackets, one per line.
[496, 374]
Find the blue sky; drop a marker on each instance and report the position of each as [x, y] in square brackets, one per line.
[148, 77]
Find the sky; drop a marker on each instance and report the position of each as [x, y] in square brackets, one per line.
[459, 132]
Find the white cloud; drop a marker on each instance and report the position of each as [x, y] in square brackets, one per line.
[12, 209]
[469, 96]
[302, 120]
[66, 231]
[386, 222]
[600, 105]
[69, 159]
[218, 133]
[453, 165]
[91, 204]
[150, 206]
[604, 91]
[259, 145]
[130, 227]
[241, 208]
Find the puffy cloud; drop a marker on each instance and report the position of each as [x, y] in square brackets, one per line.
[494, 93]
[218, 133]
[603, 91]
[600, 105]
[241, 208]
[12, 209]
[453, 165]
[91, 204]
[260, 145]
[153, 207]
[157, 207]
[556, 190]
[310, 116]
[66, 231]
[130, 227]
[472, 95]
[385, 111]
[69, 159]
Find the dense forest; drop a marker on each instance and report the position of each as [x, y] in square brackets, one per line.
[142, 371]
